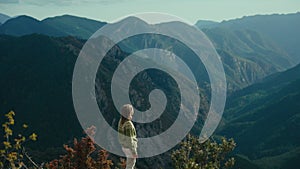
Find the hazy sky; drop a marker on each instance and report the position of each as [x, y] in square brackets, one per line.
[108, 10]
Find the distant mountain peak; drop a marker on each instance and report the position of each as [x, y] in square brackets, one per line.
[68, 16]
[133, 19]
[26, 17]
[76, 26]
[3, 18]
[129, 23]
[205, 23]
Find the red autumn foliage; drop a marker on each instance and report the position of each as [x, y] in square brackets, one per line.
[80, 155]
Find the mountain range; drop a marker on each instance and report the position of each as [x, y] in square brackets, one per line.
[280, 28]
[239, 46]
[262, 111]
[59, 26]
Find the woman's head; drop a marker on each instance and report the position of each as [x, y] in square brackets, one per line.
[127, 111]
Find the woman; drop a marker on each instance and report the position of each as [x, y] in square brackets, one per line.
[127, 135]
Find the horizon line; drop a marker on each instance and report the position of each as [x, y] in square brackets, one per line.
[91, 18]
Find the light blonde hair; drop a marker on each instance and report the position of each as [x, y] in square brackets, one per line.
[126, 110]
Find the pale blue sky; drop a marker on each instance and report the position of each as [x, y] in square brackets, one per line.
[108, 10]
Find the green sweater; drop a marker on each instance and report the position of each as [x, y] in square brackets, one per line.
[127, 136]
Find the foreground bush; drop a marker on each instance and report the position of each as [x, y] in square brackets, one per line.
[12, 151]
[193, 154]
[79, 156]
[83, 155]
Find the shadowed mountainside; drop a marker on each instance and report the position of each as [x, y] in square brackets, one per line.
[264, 118]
